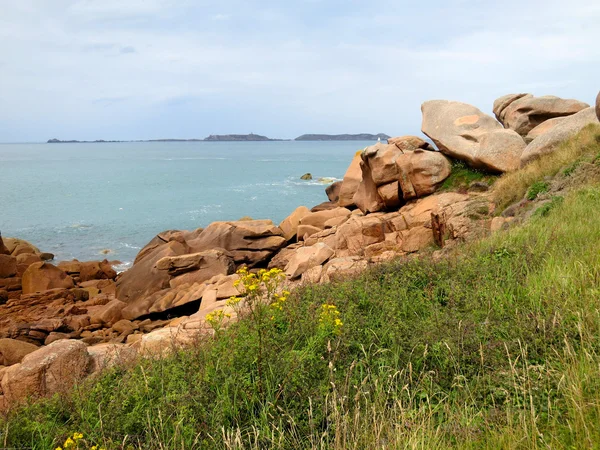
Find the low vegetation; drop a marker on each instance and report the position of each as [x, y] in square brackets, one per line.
[463, 176]
[496, 346]
[585, 147]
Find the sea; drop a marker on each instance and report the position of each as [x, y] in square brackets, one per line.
[92, 201]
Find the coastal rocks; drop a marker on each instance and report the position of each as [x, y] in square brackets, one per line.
[523, 112]
[143, 279]
[333, 191]
[8, 266]
[458, 130]
[289, 225]
[307, 257]
[43, 276]
[306, 176]
[357, 233]
[350, 183]
[410, 143]
[108, 314]
[543, 128]
[13, 351]
[105, 356]
[421, 172]
[46, 371]
[19, 246]
[249, 242]
[3, 249]
[549, 141]
[204, 265]
[96, 270]
[320, 218]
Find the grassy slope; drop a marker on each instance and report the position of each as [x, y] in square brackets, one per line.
[496, 347]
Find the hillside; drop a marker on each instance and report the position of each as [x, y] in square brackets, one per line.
[489, 344]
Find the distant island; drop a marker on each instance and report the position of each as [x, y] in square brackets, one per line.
[245, 138]
[342, 137]
[213, 138]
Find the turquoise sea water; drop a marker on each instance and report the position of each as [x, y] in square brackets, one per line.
[78, 200]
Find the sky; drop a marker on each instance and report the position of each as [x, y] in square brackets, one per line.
[148, 69]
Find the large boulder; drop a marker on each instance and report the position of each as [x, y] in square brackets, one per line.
[421, 172]
[105, 356]
[543, 128]
[522, 113]
[410, 143]
[307, 257]
[96, 270]
[144, 279]
[549, 141]
[43, 276]
[333, 191]
[46, 371]
[8, 266]
[367, 198]
[350, 183]
[289, 225]
[458, 130]
[359, 232]
[320, 218]
[18, 246]
[13, 351]
[249, 242]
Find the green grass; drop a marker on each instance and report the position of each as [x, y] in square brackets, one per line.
[537, 188]
[496, 347]
[462, 176]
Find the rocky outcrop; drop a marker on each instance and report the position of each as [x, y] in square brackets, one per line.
[307, 257]
[43, 276]
[250, 242]
[598, 106]
[333, 191]
[566, 128]
[8, 266]
[523, 112]
[289, 225]
[463, 132]
[394, 173]
[48, 370]
[350, 183]
[13, 351]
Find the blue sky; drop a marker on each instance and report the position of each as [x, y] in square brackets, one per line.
[144, 69]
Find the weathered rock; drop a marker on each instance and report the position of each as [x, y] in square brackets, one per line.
[105, 356]
[350, 183]
[57, 336]
[282, 258]
[526, 112]
[325, 206]
[416, 239]
[45, 256]
[164, 300]
[3, 249]
[308, 257]
[124, 325]
[306, 176]
[333, 191]
[143, 279]
[12, 351]
[458, 130]
[549, 141]
[318, 219]
[312, 275]
[357, 233]
[367, 199]
[501, 103]
[19, 246]
[43, 276]
[28, 259]
[335, 221]
[305, 231]
[108, 314]
[342, 267]
[46, 371]
[70, 267]
[289, 225]
[421, 172]
[209, 263]
[410, 143]
[249, 242]
[96, 270]
[381, 160]
[598, 106]
[390, 194]
[543, 128]
[8, 266]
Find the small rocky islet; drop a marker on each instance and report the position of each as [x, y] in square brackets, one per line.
[60, 323]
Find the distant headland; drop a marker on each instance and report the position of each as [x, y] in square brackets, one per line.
[243, 138]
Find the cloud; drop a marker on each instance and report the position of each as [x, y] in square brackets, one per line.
[310, 66]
